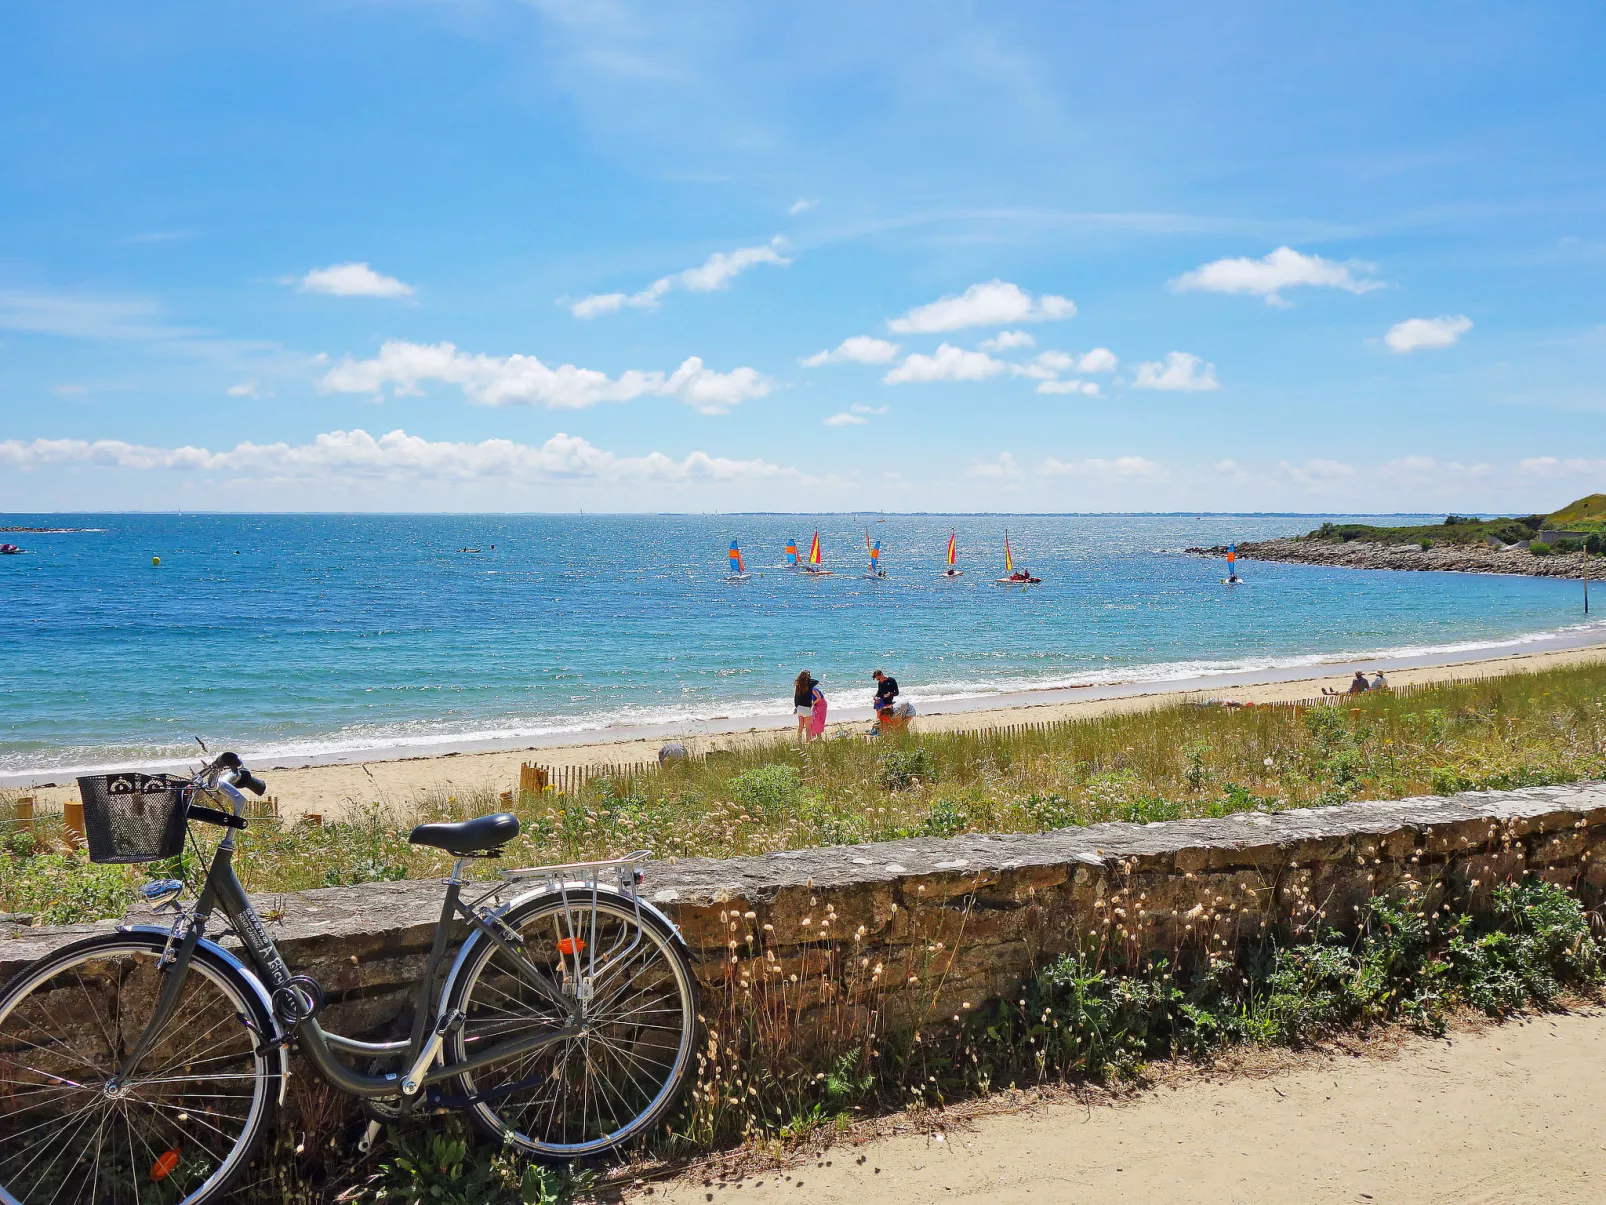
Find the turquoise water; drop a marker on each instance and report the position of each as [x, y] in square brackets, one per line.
[301, 636]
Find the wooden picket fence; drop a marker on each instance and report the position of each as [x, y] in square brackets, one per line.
[567, 780]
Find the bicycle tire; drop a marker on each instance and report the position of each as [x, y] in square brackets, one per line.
[182, 1137]
[648, 1029]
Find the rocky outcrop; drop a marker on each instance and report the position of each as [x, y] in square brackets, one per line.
[1453, 558]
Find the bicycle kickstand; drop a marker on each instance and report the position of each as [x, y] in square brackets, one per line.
[369, 1137]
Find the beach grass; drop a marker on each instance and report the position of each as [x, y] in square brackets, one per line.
[1174, 762]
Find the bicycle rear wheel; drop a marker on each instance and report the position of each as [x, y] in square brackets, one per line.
[585, 1094]
[182, 1125]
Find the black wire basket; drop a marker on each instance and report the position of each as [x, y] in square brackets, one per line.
[134, 817]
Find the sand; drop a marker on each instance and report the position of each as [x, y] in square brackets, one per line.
[1513, 1113]
[332, 791]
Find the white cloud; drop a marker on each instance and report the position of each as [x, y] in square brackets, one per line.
[1415, 334]
[398, 456]
[1008, 341]
[1181, 372]
[995, 303]
[947, 363]
[716, 272]
[116, 318]
[846, 419]
[802, 205]
[1317, 472]
[1100, 359]
[1572, 466]
[524, 380]
[1089, 388]
[353, 280]
[1284, 268]
[856, 349]
[243, 389]
[1003, 467]
[69, 390]
[1123, 468]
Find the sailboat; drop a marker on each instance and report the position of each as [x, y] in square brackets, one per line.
[1013, 576]
[875, 571]
[812, 566]
[791, 555]
[953, 556]
[1232, 578]
[739, 571]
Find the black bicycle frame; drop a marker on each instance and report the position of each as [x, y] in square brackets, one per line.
[223, 889]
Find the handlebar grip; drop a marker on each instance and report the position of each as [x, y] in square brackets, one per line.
[249, 781]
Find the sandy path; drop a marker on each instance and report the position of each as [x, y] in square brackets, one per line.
[334, 790]
[1515, 1113]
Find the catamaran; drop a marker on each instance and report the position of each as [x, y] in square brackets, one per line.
[875, 571]
[953, 556]
[791, 555]
[812, 566]
[1013, 576]
[738, 571]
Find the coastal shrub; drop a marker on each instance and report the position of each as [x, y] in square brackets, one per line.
[1593, 543]
[65, 888]
[899, 768]
[947, 818]
[770, 789]
[1424, 544]
[1540, 548]
[1568, 546]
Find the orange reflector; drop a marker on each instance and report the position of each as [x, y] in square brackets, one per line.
[570, 944]
[164, 1165]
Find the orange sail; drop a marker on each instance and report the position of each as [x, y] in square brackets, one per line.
[951, 549]
[814, 549]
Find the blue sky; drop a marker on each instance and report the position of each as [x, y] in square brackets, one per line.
[546, 255]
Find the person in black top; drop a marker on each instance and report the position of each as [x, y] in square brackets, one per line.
[886, 691]
[803, 690]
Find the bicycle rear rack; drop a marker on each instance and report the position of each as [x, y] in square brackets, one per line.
[580, 885]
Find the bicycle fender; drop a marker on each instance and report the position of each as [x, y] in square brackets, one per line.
[475, 937]
[278, 1037]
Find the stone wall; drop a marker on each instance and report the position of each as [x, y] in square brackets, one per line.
[938, 924]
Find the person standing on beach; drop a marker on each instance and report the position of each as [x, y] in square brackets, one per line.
[804, 691]
[886, 690]
[817, 716]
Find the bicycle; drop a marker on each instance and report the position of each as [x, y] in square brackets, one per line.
[142, 1065]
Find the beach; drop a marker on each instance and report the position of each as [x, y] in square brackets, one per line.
[336, 790]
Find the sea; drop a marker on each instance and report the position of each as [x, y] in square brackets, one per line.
[298, 638]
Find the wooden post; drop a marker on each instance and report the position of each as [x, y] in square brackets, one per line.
[72, 816]
[25, 814]
[312, 819]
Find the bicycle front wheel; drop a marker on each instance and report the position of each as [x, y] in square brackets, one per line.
[585, 1094]
[178, 1129]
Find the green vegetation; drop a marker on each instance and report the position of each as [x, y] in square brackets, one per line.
[1587, 515]
[766, 1076]
[1521, 730]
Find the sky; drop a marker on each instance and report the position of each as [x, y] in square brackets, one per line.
[549, 255]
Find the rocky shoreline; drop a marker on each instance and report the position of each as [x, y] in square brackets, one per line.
[1451, 558]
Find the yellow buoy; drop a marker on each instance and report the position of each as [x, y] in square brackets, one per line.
[156, 560]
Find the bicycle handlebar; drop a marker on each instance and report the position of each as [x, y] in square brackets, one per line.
[230, 763]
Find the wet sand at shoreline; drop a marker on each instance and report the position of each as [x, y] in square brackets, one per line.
[333, 791]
